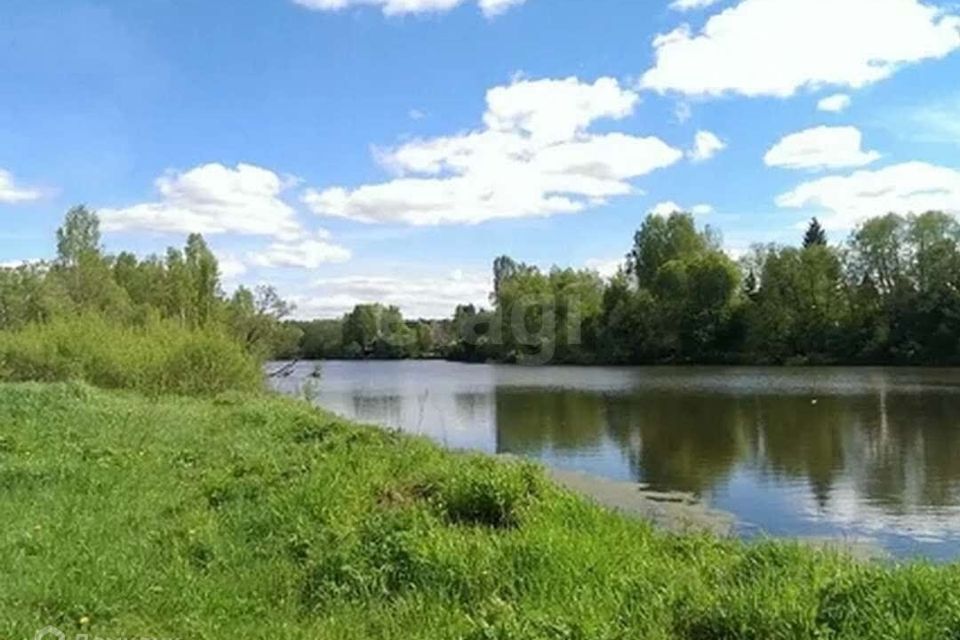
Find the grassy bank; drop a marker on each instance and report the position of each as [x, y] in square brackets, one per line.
[259, 517]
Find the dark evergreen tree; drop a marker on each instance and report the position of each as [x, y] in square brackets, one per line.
[815, 235]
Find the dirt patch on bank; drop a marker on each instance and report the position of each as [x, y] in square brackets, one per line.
[677, 512]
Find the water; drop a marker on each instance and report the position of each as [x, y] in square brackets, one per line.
[866, 454]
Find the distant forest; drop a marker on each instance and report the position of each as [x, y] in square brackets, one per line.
[888, 294]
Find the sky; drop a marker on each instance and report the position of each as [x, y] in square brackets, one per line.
[353, 151]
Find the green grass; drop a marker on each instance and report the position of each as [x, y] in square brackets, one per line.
[259, 517]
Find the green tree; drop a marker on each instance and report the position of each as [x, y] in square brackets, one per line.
[661, 240]
[204, 279]
[82, 269]
[815, 235]
[28, 296]
[362, 327]
[78, 237]
[692, 286]
[878, 251]
[801, 306]
[255, 318]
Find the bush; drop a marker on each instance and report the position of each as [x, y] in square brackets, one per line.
[487, 492]
[160, 357]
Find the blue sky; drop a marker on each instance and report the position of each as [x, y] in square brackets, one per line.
[352, 150]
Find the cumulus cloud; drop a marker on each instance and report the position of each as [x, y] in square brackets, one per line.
[705, 146]
[306, 253]
[835, 104]
[664, 209]
[910, 187]
[489, 8]
[606, 267]
[231, 267]
[777, 47]
[13, 193]
[555, 110]
[212, 199]
[689, 5]
[534, 156]
[821, 148]
[426, 297]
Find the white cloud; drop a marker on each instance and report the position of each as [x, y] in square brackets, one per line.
[835, 104]
[606, 267]
[427, 297]
[212, 199]
[490, 8]
[555, 110]
[16, 264]
[777, 47]
[821, 148]
[496, 7]
[534, 157]
[307, 253]
[231, 267]
[664, 209]
[911, 187]
[12, 193]
[689, 5]
[705, 146]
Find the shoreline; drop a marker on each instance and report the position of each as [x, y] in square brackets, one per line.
[674, 512]
[651, 365]
[683, 513]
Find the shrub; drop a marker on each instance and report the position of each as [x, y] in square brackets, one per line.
[160, 357]
[487, 492]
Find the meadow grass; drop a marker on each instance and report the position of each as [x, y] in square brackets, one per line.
[253, 516]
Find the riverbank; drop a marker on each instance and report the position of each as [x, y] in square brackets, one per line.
[257, 516]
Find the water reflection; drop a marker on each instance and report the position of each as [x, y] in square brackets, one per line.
[854, 452]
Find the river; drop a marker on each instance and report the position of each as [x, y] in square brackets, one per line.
[865, 454]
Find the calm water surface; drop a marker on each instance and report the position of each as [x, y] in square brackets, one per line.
[861, 453]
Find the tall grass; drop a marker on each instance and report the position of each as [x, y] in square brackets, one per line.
[260, 517]
[158, 357]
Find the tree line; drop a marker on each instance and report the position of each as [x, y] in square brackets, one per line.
[183, 286]
[888, 294]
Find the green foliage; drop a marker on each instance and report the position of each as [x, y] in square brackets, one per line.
[256, 517]
[254, 319]
[161, 357]
[157, 325]
[892, 295]
[28, 295]
[802, 307]
[371, 331]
